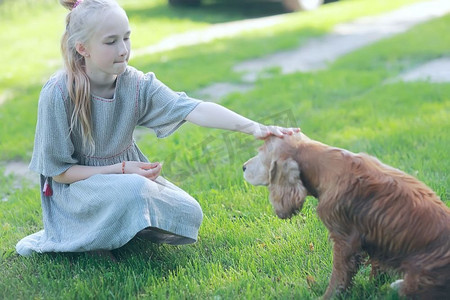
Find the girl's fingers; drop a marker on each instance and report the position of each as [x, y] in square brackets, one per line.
[149, 166]
[277, 131]
[153, 172]
[148, 170]
[290, 131]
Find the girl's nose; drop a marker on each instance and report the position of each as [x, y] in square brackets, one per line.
[123, 51]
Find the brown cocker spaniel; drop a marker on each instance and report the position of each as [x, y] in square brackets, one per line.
[368, 207]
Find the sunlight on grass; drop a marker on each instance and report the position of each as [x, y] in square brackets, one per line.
[244, 250]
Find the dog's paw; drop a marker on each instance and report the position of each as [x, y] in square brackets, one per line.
[396, 285]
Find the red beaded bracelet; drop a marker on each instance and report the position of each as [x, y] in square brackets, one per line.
[123, 167]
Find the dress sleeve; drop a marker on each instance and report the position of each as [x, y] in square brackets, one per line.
[160, 108]
[53, 148]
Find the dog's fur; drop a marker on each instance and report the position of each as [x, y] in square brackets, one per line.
[368, 207]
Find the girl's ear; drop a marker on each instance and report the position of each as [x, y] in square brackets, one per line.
[82, 49]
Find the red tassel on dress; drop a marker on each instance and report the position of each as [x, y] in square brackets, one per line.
[47, 188]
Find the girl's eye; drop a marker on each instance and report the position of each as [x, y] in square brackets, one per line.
[110, 43]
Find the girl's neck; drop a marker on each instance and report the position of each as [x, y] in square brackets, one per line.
[103, 87]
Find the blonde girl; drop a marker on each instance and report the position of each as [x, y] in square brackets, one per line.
[98, 189]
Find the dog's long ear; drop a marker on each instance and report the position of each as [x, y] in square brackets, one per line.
[287, 193]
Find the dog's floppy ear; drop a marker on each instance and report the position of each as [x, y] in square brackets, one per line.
[287, 193]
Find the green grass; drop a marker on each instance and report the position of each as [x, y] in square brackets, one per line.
[244, 250]
[28, 61]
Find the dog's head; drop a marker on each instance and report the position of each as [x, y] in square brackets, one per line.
[275, 167]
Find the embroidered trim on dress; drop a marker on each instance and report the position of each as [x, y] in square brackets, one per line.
[112, 156]
[103, 99]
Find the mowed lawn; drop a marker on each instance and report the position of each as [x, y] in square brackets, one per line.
[244, 251]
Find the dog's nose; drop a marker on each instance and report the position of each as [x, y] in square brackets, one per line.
[243, 168]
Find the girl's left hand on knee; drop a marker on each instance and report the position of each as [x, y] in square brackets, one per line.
[148, 170]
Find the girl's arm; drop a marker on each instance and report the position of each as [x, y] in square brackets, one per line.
[79, 172]
[208, 114]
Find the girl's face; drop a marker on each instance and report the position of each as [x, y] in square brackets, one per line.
[108, 51]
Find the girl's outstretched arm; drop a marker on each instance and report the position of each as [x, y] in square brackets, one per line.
[208, 114]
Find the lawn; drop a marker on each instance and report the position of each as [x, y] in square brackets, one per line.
[244, 251]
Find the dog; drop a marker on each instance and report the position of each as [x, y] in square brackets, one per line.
[369, 208]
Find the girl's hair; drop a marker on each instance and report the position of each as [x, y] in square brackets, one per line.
[81, 21]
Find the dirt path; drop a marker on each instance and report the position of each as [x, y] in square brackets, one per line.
[316, 54]
[345, 38]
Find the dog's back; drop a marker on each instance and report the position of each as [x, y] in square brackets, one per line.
[401, 222]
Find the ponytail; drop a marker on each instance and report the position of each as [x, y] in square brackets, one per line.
[80, 24]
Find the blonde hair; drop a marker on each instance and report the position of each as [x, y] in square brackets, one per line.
[80, 26]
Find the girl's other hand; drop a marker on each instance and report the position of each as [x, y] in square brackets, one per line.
[264, 132]
[148, 170]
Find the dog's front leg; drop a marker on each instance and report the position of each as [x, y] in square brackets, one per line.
[346, 261]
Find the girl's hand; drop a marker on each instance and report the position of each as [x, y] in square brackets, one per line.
[148, 170]
[264, 132]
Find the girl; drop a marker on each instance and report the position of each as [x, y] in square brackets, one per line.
[98, 188]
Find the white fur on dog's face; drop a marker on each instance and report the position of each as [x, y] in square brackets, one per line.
[257, 169]
[256, 172]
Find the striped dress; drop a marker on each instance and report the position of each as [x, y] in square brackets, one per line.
[104, 212]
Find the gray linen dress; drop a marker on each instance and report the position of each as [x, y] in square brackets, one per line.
[104, 212]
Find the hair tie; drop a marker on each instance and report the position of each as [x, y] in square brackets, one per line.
[77, 3]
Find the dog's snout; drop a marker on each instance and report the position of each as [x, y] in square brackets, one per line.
[243, 168]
